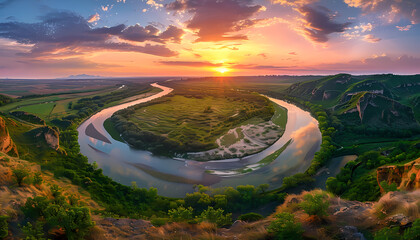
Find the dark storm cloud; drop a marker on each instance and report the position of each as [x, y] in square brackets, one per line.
[71, 33]
[217, 20]
[318, 23]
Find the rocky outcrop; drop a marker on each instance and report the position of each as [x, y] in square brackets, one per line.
[377, 110]
[6, 143]
[46, 136]
[407, 176]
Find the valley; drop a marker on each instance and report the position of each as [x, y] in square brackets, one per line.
[303, 142]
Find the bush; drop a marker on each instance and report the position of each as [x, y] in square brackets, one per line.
[389, 187]
[181, 214]
[37, 179]
[215, 216]
[20, 174]
[413, 232]
[58, 213]
[157, 222]
[34, 232]
[315, 204]
[388, 234]
[297, 179]
[4, 227]
[250, 217]
[285, 227]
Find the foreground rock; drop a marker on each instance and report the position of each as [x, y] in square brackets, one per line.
[406, 177]
[6, 143]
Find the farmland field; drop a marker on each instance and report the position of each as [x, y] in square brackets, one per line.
[42, 110]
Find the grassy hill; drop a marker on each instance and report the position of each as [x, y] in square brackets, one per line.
[377, 101]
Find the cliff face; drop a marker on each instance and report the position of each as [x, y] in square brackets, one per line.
[52, 138]
[407, 177]
[6, 143]
[49, 135]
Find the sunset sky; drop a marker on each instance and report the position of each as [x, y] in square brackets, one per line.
[57, 38]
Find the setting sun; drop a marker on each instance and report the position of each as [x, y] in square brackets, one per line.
[222, 69]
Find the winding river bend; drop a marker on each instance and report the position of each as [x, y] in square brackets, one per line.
[175, 177]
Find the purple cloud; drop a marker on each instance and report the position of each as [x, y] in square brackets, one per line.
[318, 23]
[217, 20]
[73, 35]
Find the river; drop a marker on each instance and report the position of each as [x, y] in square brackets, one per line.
[175, 177]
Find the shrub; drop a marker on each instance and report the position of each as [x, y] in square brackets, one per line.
[20, 174]
[389, 187]
[295, 180]
[215, 216]
[388, 234]
[34, 232]
[76, 221]
[286, 227]
[58, 213]
[4, 227]
[181, 214]
[413, 232]
[250, 217]
[37, 179]
[159, 221]
[315, 204]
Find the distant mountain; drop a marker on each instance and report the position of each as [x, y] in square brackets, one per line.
[374, 100]
[81, 76]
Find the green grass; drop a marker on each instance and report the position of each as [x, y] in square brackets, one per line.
[42, 110]
[109, 127]
[187, 119]
[280, 116]
[275, 154]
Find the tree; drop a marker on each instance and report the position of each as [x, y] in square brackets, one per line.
[263, 187]
[285, 227]
[20, 174]
[215, 216]
[315, 204]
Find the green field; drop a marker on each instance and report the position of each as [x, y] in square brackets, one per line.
[42, 110]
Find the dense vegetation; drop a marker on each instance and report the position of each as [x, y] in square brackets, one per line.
[5, 100]
[356, 181]
[190, 120]
[86, 106]
[65, 212]
[28, 117]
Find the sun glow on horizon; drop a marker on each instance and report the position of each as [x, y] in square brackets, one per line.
[222, 70]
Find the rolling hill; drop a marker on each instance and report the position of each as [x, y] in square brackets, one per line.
[377, 101]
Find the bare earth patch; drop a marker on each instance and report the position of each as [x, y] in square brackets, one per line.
[242, 141]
